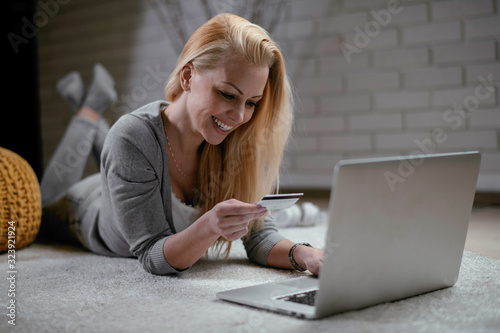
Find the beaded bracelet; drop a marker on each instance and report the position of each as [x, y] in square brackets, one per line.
[290, 256]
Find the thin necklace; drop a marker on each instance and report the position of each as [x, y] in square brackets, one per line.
[175, 161]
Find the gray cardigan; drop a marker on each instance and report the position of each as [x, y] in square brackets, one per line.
[135, 215]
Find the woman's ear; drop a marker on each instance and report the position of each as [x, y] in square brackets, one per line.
[186, 75]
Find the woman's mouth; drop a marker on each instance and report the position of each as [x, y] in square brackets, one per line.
[221, 125]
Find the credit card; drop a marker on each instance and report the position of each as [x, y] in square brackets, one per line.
[279, 201]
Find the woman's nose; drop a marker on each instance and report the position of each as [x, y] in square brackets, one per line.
[237, 114]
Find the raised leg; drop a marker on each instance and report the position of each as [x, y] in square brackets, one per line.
[67, 165]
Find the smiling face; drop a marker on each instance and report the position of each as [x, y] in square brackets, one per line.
[222, 99]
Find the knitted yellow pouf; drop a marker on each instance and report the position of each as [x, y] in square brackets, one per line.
[20, 202]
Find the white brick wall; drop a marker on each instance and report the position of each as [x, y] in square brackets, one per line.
[411, 14]
[370, 81]
[385, 39]
[458, 9]
[318, 85]
[312, 9]
[309, 165]
[448, 97]
[485, 118]
[477, 51]
[298, 29]
[400, 79]
[345, 103]
[320, 124]
[375, 122]
[399, 141]
[337, 63]
[431, 33]
[483, 27]
[361, 4]
[471, 140]
[342, 22]
[401, 100]
[430, 119]
[401, 57]
[345, 143]
[433, 76]
[310, 48]
[474, 71]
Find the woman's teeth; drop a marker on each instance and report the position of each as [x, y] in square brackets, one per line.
[221, 125]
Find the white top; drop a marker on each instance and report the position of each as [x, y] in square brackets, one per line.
[183, 214]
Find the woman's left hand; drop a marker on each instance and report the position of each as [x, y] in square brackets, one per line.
[309, 258]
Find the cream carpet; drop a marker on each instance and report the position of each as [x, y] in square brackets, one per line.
[65, 289]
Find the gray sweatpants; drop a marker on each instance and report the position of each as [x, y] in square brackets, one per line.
[69, 203]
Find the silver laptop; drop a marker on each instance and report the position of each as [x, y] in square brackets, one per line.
[397, 228]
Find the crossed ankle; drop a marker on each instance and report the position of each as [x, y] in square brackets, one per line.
[88, 113]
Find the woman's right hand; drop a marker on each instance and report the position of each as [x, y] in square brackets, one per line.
[230, 218]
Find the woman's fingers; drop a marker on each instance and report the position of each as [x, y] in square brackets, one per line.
[232, 235]
[235, 207]
[238, 212]
[231, 225]
[230, 218]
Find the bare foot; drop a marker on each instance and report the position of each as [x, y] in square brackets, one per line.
[88, 113]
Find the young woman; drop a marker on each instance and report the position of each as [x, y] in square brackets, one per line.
[182, 176]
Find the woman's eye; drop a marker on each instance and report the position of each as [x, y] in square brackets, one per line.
[227, 96]
[251, 104]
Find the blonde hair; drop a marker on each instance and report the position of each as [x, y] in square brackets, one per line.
[245, 166]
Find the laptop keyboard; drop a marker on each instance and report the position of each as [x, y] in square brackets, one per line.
[306, 298]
